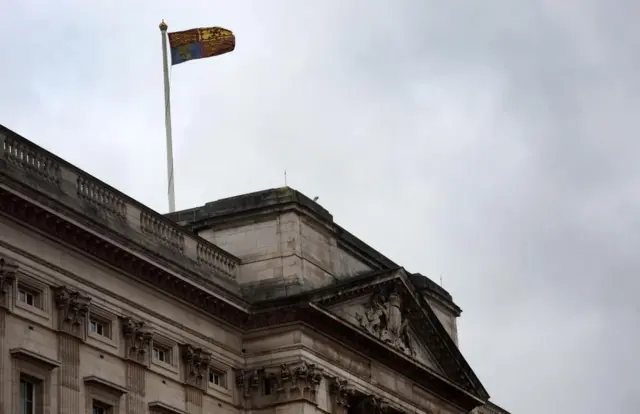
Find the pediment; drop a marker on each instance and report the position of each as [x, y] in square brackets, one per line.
[386, 307]
[372, 317]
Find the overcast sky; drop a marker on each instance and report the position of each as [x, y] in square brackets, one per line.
[493, 144]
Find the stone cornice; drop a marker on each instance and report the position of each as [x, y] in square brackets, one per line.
[85, 241]
[263, 205]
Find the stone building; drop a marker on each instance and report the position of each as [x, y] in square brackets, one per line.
[259, 304]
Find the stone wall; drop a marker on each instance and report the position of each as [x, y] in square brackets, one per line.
[49, 338]
[284, 254]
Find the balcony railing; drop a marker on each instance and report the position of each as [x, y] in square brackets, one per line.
[39, 169]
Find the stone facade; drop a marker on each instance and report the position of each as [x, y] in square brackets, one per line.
[258, 303]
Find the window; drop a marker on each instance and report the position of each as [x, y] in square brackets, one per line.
[217, 378]
[100, 408]
[267, 386]
[102, 396]
[27, 396]
[29, 296]
[31, 380]
[100, 327]
[162, 354]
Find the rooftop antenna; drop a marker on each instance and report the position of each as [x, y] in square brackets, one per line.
[285, 177]
[441, 281]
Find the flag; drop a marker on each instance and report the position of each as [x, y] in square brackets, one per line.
[200, 43]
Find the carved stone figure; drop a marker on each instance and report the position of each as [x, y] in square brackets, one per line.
[306, 375]
[7, 276]
[383, 318]
[137, 340]
[72, 310]
[284, 377]
[247, 381]
[197, 362]
[341, 391]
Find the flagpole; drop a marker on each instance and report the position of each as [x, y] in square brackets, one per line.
[167, 118]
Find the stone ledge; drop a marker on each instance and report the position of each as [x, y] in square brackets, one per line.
[109, 386]
[35, 358]
[161, 407]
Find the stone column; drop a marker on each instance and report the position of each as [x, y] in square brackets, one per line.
[196, 369]
[137, 341]
[7, 277]
[72, 310]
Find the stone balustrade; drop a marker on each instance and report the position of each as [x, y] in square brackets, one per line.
[24, 162]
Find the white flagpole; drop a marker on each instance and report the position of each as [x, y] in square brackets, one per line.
[167, 118]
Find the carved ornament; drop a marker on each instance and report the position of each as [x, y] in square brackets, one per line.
[340, 390]
[137, 339]
[7, 276]
[247, 381]
[72, 310]
[372, 404]
[296, 380]
[384, 318]
[196, 365]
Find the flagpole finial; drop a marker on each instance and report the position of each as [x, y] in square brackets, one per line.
[163, 26]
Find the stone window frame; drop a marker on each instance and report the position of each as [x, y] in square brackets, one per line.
[29, 364]
[103, 391]
[222, 375]
[106, 317]
[171, 346]
[222, 369]
[40, 287]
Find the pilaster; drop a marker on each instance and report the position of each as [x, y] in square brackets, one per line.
[136, 386]
[4, 400]
[72, 310]
[340, 393]
[137, 341]
[196, 368]
[7, 277]
[194, 400]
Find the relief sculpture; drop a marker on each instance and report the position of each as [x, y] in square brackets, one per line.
[383, 318]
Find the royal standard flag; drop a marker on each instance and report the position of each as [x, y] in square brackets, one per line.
[200, 43]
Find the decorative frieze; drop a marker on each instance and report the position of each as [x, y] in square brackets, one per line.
[295, 380]
[137, 339]
[196, 366]
[7, 276]
[72, 311]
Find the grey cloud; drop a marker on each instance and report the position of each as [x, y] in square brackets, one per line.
[493, 143]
